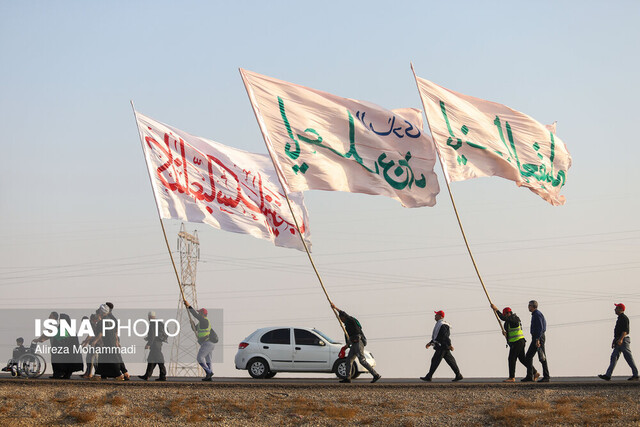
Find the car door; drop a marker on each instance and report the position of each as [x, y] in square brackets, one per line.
[276, 345]
[310, 352]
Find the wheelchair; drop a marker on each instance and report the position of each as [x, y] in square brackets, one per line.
[30, 364]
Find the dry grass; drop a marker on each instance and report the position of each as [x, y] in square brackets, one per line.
[195, 418]
[65, 400]
[50, 405]
[176, 407]
[118, 401]
[83, 417]
[565, 410]
[392, 404]
[134, 413]
[337, 412]
[302, 406]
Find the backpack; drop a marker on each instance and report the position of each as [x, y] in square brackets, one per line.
[162, 334]
[213, 337]
[363, 338]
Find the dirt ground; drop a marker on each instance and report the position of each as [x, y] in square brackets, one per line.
[38, 402]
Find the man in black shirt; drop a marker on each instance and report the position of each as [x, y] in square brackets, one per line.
[356, 342]
[621, 344]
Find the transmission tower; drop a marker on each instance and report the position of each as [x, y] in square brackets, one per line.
[185, 345]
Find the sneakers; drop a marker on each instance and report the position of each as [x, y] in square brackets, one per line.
[376, 378]
[536, 376]
[142, 377]
[457, 378]
[634, 378]
[527, 380]
[604, 377]
[208, 377]
[161, 379]
[509, 380]
[426, 378]
[346, 380]
[544, 380]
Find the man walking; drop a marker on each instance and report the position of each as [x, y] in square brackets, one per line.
[538, 328]
[516, 341]
[621, 344]
[206, 338]
[442, 345]
[357, 341]
[155, 338]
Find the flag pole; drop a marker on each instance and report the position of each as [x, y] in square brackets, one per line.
[281, 179]
[455, 209]
[164, 232]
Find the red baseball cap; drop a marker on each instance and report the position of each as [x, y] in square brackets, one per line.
[203, 311]
[439, 313]
[620, 306]
[506, 310]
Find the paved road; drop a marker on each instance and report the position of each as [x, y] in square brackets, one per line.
[243, 381]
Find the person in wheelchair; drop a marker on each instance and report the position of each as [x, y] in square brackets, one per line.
[17, 352]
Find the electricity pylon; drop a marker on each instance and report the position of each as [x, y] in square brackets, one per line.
[185, 345]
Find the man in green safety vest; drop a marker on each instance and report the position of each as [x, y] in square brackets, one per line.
[206, 338]
[515, 339]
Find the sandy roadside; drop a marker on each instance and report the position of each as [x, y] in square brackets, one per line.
[137, 403]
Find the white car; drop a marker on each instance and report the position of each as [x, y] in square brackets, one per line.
[291, 349]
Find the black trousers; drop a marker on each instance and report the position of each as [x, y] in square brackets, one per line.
[542, 356]
[152, 366]
[443, 353]
[516, 352]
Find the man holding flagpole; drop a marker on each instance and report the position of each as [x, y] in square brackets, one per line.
[516, 342]
[207, 339]
[357, 341]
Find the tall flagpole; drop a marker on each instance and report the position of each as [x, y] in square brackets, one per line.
[455, 209]
[164, 233]
[281, 179]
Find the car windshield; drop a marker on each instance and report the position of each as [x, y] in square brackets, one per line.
[325, 337]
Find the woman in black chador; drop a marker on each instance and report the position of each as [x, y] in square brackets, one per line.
[72, 358]
[109, 359]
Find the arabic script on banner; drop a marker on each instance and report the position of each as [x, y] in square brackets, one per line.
[219, 186]
[397, 173]
[543, 172]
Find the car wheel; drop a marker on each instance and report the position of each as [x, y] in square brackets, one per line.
[271, 374]
[258, 368]
[341, 369]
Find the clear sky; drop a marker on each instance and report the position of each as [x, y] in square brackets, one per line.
[79, 225]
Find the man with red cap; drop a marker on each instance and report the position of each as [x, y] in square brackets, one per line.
[515, 340]
[621, 344]
[206, 338]
[442, 345]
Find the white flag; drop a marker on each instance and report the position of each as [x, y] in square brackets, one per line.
[199, 180]
[478, 138]
[324, 142]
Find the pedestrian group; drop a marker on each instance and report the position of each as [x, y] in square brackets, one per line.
[111, 365]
